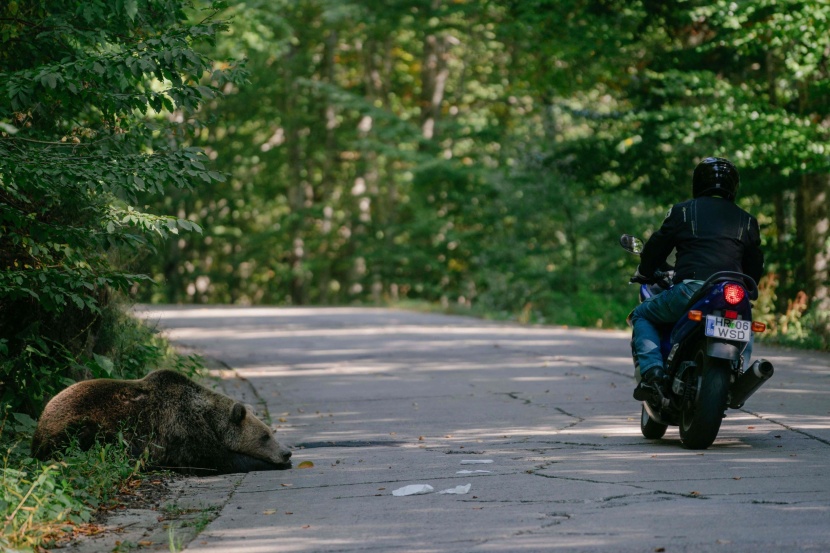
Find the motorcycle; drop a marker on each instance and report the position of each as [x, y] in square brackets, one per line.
[703, 356]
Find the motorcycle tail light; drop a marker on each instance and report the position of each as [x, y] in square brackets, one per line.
[733, 293]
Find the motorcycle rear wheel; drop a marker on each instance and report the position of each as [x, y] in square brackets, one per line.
[701, 418]
[651, 429]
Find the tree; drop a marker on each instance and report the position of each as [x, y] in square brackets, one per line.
[487, 150]
[749, 81]
[96, 99]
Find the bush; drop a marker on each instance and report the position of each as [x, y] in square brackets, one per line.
[87, 127]
[39, 502]
[120, 347]
[798, 326]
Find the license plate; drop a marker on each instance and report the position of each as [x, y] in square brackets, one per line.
[728, 329]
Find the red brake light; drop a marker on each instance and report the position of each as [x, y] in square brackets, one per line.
[733, 293]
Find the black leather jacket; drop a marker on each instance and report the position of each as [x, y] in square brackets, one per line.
[711, 234]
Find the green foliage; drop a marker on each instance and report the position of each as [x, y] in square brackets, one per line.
[124, 348]
[483, 154]
[743, 80]
[97, 98]
[40, 501]
[798, 325]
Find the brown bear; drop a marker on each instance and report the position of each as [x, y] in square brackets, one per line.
[184, 426]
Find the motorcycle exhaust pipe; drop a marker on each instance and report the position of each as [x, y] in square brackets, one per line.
[749, 382]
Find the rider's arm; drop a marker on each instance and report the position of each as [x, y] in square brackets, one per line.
[661, 243]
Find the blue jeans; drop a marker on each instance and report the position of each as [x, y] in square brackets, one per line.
[665, 307]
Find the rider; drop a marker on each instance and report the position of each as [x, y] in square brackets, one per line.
[711, 234]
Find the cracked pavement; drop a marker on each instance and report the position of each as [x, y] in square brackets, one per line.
[379, 399]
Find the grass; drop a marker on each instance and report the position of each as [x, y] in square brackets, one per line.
[42, 503]
[190, 523]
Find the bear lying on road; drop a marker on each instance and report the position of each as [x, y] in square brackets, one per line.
[184, 426]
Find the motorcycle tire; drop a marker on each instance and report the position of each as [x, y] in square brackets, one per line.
[701, 417]
[651, 429]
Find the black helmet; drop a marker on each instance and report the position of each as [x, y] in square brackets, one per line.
[716, 176]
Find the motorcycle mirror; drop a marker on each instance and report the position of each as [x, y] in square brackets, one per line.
[631, 244]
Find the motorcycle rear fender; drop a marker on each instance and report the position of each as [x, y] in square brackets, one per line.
[723, 350]
[685, 350]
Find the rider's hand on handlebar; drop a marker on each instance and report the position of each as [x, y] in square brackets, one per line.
[639, 278]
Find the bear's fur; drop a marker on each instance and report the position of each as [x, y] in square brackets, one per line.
[184, 426]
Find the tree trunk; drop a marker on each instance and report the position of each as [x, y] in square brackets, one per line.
[784, 229]
[815, 207]
[325, 188]
[293, 124]
[434, 73]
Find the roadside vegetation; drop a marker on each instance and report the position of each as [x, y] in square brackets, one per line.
[96, 102]
[486, 155]
[42, 503]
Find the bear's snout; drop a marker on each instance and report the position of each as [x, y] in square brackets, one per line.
[239, 462]
[286, 458]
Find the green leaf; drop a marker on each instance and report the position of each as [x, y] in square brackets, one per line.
[131, 8]
[23, 423]
[50, 80]
[104, 363]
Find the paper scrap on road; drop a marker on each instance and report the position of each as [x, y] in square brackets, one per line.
[413, 489]
[478, 471]
[458, 490]
[476, 461]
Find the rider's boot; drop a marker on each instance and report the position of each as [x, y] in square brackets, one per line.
[651, 379]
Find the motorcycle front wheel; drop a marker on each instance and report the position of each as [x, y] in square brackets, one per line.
[702, 414]
[651, 429]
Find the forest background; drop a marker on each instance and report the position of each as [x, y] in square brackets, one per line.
[479, 155]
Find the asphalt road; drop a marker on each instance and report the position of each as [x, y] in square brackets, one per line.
[380, 399]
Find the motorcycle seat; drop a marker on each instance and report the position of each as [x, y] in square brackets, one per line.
[725, 276]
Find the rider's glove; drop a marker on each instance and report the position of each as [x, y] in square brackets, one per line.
[640, 278]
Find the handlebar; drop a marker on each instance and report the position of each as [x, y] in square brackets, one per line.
[661, 278]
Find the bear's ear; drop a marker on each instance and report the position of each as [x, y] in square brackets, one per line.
[238, 413]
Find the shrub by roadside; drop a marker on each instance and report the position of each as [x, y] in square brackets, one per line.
[40, 502]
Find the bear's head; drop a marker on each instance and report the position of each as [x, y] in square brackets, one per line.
[252, 445]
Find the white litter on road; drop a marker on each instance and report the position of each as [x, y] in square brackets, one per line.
[458, 490]
[476, 461]
[413, 489]
[473, 472]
